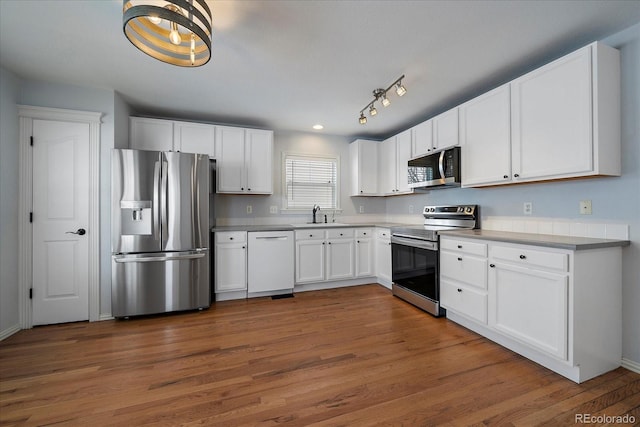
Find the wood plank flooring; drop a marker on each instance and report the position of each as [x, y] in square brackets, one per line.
[344, 357]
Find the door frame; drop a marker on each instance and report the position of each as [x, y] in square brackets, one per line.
[27, 115]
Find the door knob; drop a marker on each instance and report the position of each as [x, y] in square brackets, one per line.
[79, 232]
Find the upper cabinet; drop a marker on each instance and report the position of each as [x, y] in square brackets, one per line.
[244, 160]
[394, 155]
[564, 121]
[363, 156]
[422, 139]
[485, 136]
[169, 135]
[445, 130]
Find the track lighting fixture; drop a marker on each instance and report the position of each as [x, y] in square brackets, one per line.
[381, 95]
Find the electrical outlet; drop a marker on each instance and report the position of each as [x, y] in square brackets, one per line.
[249, 209]
[361, 210]
[410, 208]
[527, 208]
[585, 207]
[273, 209]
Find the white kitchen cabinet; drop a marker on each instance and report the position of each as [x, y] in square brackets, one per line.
[422, 139]
[485, 137]
[310, 256]
[150, 134]
[244, 160]
[270, 262]
[364, 252]
[171, 135]
[383, 256]
[393, 157]
[363, 156]
[539, 301]
[445, 130]
[194, 138]
[230, 261]
[340, 249]
[463, 277]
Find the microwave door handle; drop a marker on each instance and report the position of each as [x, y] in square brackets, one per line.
[441, 165]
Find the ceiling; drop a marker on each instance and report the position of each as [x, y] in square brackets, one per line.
[287, 65]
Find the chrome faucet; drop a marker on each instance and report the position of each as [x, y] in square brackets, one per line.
[316, 208]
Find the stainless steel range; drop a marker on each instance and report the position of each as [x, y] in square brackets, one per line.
[415, 256]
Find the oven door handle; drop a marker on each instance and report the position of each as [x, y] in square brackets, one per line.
[406, 240]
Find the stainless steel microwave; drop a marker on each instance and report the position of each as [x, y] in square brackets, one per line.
[441, 169]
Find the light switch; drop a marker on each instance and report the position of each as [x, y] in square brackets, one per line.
[585, 207]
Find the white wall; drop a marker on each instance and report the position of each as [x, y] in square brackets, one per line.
[615, 199]
[9, 134]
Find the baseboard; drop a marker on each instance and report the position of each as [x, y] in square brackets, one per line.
[631, 365]
[9, 331]
[105, 316]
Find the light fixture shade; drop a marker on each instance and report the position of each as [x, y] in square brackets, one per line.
[385, 101]
[363, 119]
[400, 90]
[372, 110]
[191, 19]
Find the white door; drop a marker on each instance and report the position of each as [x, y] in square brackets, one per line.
[60, 207]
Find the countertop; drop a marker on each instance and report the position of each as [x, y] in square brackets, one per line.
[290, 227]
[546, 240]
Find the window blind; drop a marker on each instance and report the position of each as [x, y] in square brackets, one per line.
[309, 181]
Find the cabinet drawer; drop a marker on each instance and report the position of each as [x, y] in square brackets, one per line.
[464, 246]
[231, 236]
[464, 300]
[364, 233]
[525, 256]
[340, 233]
[309, 234]
[469, 269]
[383, 233]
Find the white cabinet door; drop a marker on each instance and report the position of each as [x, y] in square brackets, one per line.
[230, 159]
[364, 257]
[383, 256]
[340, 259]
[445, 130]
[194, 138]
[403, 154]
[485, 126]
[552, 119]
[259, 161]
[231, 267]
[310, 260]
[363, 156]
[531, 306]
[150, 134]
[422, 139]
[387, 165]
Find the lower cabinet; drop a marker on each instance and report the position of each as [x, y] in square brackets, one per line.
[383, 256]
[560, 308]
[230, 261]
[333, 254]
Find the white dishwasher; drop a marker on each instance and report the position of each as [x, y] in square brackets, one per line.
[270, 262]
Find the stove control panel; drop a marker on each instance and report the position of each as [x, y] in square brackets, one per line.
[454, 211]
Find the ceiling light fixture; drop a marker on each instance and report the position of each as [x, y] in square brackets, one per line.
[318, 127]
[381, 95]
[177, 32]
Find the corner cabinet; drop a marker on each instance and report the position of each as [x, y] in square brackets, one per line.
[244, 160]
[560, 308]
[363, 156]
[564, 123]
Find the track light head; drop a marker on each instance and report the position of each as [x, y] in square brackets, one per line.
[362, 119]
[400, 90]
[372, 110]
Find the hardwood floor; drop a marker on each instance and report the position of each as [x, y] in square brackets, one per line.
[344, 357]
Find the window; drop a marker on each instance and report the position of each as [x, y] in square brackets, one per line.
[310, 180]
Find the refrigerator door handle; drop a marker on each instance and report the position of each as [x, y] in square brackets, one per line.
[164, 202]
[160, 258]
[156, 201]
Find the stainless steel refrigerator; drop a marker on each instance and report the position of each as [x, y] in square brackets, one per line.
[160, 232]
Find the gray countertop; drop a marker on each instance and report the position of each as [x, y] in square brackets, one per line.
[547, 240]
[288, 227]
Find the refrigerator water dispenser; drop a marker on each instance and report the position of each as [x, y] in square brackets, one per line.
[136, 217]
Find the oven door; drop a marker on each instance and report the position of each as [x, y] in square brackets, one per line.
[414, 272]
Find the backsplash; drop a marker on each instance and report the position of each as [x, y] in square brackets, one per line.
[557, 226]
